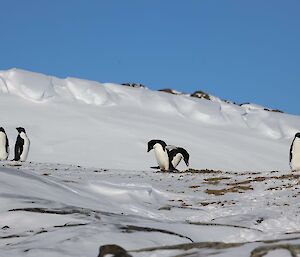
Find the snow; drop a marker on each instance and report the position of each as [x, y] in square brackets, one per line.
[108, 125]
[87, 181]
[67, 210]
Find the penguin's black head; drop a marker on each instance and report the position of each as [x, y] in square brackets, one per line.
[20, 129]
[297, 134]
[152, 142]
[2, 129]
[185, 155]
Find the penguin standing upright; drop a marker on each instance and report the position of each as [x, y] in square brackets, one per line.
[4, 145]
[161, 154]
[22, 145]
[295, 153]
[176, 154]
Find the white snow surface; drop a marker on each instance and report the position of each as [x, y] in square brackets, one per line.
[66, 210]
[87, 181]
[76, 121]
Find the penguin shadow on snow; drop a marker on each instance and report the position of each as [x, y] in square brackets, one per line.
[167, 156]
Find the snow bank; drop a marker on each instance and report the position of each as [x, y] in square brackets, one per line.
[103, 124]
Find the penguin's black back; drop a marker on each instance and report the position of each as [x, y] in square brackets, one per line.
[7, 143]
[177, 150]
[291, 148]
[152, 142]
[18, 148]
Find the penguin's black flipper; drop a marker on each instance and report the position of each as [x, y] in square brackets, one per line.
[18, 148]
[7, 144]
[155, 167]
[171, 167]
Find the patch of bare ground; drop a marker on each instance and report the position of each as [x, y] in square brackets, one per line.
[132, 228]
[188, 246]
[202, 171]
[232, 189]
[12, 236]
[261, 251]
[222, 225]
[247, 181]
[289, 177]
[215, 180]
[61, 211]
[42, 230]
[222, 203]
[243, 173]
[281, 187]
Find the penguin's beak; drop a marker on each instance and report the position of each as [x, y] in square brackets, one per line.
[187, 163]
[148, 150]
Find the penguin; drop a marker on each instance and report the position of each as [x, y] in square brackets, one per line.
[176, 154]
[161, 154]
[4, 145]
[22, 145]
[295, 153]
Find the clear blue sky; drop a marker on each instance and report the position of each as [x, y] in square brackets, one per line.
[240, 50]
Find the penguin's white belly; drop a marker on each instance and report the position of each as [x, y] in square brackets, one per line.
[26, 146]
[162, 158]
[295, 162]
[3, 153]
[176, 160]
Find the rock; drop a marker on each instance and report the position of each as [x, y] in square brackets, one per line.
[201, 94]
[114, 250]
[273, 110]
[136, 85]
[170, 91]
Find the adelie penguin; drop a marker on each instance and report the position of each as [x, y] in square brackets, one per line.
[177, 154]
[295, 153]
[161, 153]
[4, 145]
[22, 145]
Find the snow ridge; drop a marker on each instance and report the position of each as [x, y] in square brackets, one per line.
[41, 88]
[64, 115]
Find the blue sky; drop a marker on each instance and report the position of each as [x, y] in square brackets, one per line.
[244, 51]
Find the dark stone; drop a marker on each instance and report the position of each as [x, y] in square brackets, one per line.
[243, 104]
[200, 94]
[115, 250]
[260, 220]
[273, 110]
[168, 90]
[135, 85]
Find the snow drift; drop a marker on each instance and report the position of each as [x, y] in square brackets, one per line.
[108, 125]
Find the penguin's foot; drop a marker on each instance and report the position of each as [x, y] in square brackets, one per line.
[155, 167]
[173, 170]
[14, 163]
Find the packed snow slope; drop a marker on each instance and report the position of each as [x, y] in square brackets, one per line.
[83, 122]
